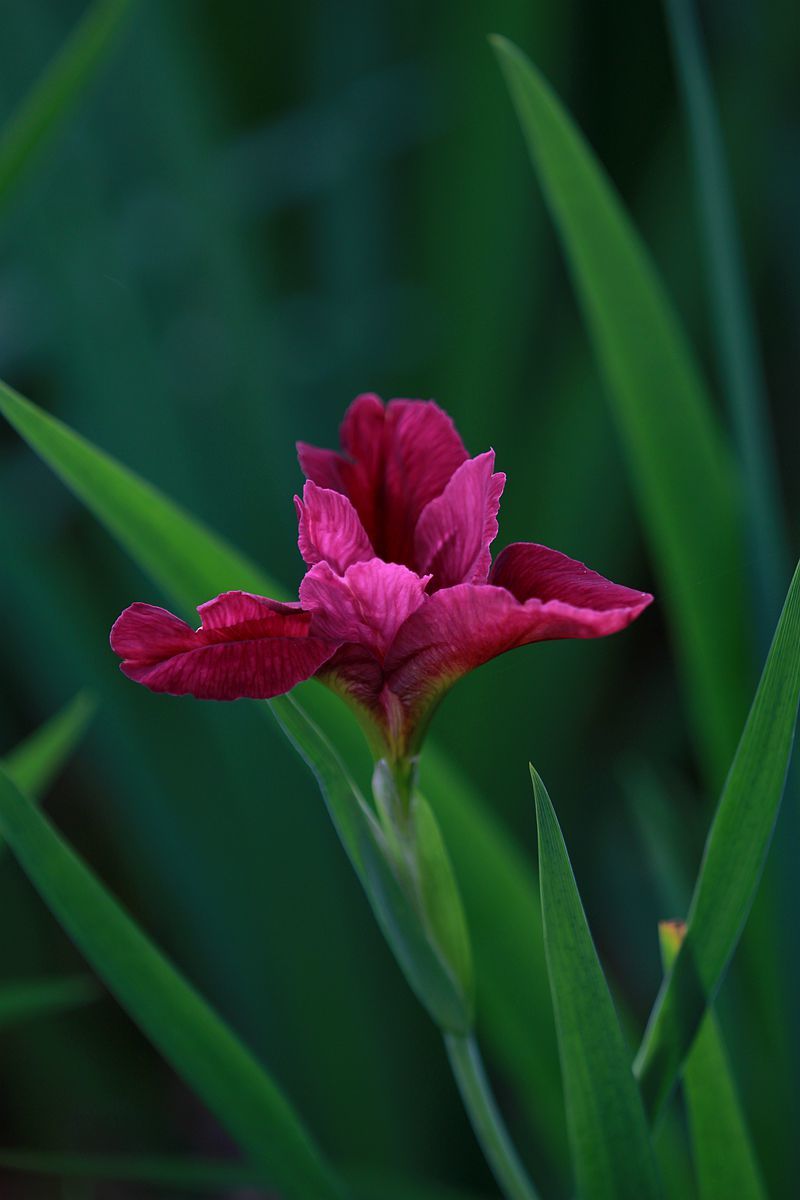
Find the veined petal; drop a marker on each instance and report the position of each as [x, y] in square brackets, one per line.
[530, 571]
[395, 460]
[366, 606]
[461, 627]
[329, 529]
[324, 467]
[247, 646]
[456, 529]
[423, 450]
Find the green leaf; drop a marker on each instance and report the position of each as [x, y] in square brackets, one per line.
[362, 838]
[167, 1009]
[681, 467]
[35, 762]
[190, 564]
[29, 998]
[724, 1159]
[200, 1174]
[51, 100]
[501, 899]
[734, 323]
[440, 900]
[612, 1155]
[734, 857]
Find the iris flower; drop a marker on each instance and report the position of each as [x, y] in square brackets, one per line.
[400, 597]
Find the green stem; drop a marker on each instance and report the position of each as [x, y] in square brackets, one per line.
[485, 1118]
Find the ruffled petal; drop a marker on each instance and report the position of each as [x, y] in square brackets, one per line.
[247, 646]
[455, 530]
[366, 606]
[461, 627]
[329, 529]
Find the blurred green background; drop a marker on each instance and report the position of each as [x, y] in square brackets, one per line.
[257, 211]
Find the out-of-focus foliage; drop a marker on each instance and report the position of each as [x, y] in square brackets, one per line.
[255, 212]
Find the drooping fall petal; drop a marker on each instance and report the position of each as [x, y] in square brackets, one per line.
[367, 605]
[455, 530]
[247, 646]
[395, 460]
[329, 529]
[546, 596]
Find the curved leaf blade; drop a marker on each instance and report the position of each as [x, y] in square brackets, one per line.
[734, 857]
[168, 1010]
[612, 1155]
[199, 1174]
[59, 87]
[724, 1158]
[734, 324]
[29, 998]
[190, 563]
[35, 762]
[680, 464]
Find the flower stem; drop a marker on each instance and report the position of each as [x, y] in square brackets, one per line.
[485, 1118]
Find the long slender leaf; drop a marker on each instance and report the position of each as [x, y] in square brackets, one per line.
[168, 1010]
[681, 468]
[612, 1154]
[724, 1158]
[52, 98]
[734, 857]
[734, 323]
[191, 564]
[35, 762]
[29, 998]
[427, 974]
[188, 561]
[199, 1174]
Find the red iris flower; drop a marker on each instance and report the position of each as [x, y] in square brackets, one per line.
[401, 596]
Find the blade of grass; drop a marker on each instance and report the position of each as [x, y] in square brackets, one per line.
[612, 1155]
[50, 101]
[734, 857]
[172, 1015]
[28, 998]
[681, 468]
[200, 1174]
[35, 762]
[191, 564]
[734, 323]
[724, 1158]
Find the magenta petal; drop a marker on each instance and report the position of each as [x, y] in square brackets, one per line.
[323, 467]
[394, 461]
[461, 627]
[423, 450]
[248, 646]
[366, 606]
[530, 571]
[455, 530]
[329, 529]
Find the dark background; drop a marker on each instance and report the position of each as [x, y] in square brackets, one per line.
[258, 211]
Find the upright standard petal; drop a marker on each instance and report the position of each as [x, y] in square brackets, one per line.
[394, 461]
[455, 531]
[247, 646]
[329, 529]
[423, 451]
[545, 596]
[365, 606]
